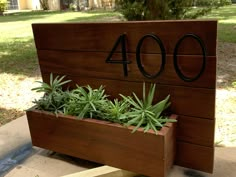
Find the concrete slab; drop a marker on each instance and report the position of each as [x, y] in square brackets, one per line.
[103, 171]
[47, 164]
[15, 143]
[13, 136]
[44, 163]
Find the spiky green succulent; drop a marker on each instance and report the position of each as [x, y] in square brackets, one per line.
[144, 113]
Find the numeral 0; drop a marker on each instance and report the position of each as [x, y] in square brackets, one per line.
[138, 59]
[124, 61]
[178, 71]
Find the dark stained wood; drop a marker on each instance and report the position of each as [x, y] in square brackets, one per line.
[105, 142]
[170, 154]
[195, 130]
[102, 36]
[79, 50]
[92, 64]
[195, 156]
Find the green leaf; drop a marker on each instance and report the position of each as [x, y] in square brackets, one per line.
[159, 107]
[51, 79]
[146, 128]
[130, 100]
[153, 127]
[150, 95]
[139, 124]
[133, 121]
[138, 100]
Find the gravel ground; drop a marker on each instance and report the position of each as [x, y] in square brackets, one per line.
[225, 133]
[16, 96]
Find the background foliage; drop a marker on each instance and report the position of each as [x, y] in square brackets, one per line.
[3, 5]
[166, 9]
[44, 4]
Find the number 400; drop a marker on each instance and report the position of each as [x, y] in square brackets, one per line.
[122, 39]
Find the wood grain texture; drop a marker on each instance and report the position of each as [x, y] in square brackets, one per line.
[92, 64]
[79, 50]
[102, 36]
[195, 130]
[105, 142]
[195, 156]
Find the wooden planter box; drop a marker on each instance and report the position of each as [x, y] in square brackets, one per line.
[104, 142]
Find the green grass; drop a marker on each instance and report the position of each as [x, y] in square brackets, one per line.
[226, 17]
[18, 59]
[16, 38]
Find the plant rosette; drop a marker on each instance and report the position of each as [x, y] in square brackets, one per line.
[86, 102]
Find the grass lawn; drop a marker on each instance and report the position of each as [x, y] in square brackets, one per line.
[16, 39]
[19, 68]
[227, 22]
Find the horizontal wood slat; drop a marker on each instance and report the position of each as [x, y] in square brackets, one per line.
[195, 156]
[196, 130]
[92, 64]
[102, 36]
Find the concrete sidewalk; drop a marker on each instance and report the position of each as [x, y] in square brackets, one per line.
[19, 159]
[15, 144]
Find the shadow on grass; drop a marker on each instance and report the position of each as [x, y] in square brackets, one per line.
[18, 57]
[227, 32]
[223, 13]
[226, 64]
[7, 115]
[86, 16]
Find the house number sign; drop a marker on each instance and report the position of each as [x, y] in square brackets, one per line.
[124, 61]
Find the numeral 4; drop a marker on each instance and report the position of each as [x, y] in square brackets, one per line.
[121, 40]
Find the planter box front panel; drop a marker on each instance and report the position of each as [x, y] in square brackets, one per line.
[104, 142]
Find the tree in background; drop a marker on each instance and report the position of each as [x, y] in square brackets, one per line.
[44, 4]
[166, 9]
[3, 6]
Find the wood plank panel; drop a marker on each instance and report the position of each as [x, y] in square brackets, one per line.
[181, 97]
[92, 64]
[102, 36]
[195, 156]
[196, 130]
